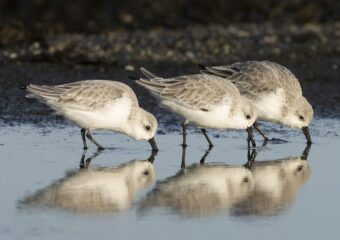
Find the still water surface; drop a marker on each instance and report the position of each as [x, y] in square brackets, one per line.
[123, 193]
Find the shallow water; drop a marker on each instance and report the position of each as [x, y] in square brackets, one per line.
[282, 197]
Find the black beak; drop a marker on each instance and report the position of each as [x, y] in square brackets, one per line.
[305, 153]
[153, 145]
[151, 159]
[305, 131]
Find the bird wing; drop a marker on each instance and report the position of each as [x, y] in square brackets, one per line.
[199, 92]
[148, 73]
[254, 78]
[286, 78]
[89, 94]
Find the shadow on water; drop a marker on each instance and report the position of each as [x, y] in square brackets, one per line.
[95, 189]
[255, 188]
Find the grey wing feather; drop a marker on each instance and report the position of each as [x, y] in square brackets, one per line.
[90, 94]
[193, 91]
[251, 78]
[254, 78]
[148, 74]
[286, 78]
[43, 92]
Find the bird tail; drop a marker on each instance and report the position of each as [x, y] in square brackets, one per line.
[133, 78]
[201, 66]
[23, 86]
[148, 74]
[223, 71]
[41, 92]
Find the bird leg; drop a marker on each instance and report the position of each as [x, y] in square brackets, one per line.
[89, 137]
[85, 163]
[256, 126]
[183, 157]
[250, 158]
[184, 134]
[83, 132]
[202, 161]
[204, 131]
[250, 137]
[82, 160]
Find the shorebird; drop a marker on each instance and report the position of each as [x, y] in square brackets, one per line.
[202, 100]
[274, 90]
[98, 104]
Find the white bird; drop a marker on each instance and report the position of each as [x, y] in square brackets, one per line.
[201, 100]
[96, 190]
[274, 90]
[98, 104]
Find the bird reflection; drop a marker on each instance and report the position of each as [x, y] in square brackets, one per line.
[201, 190]
[85, 162]
[202, 160]
[92, 190]
[277, 184]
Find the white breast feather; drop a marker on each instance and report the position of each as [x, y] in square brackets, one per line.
[216, 118]
[269, 106]
[112, 116]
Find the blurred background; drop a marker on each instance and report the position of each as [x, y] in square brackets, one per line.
[54, 41]
[88, 16]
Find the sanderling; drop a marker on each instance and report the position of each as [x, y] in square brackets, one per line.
[98, 104]
[202, 100]
[274, 90]
[96, 189]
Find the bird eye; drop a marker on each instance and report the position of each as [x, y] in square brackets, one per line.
[248, 116]
[147, 127]
[299, 169]
[146, 172]
[301, 118]
[246, 179]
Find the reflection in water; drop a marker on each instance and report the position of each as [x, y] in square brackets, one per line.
[277, 184]
[202, 161]
[85, 162]
[202, 189]
[93, 190]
